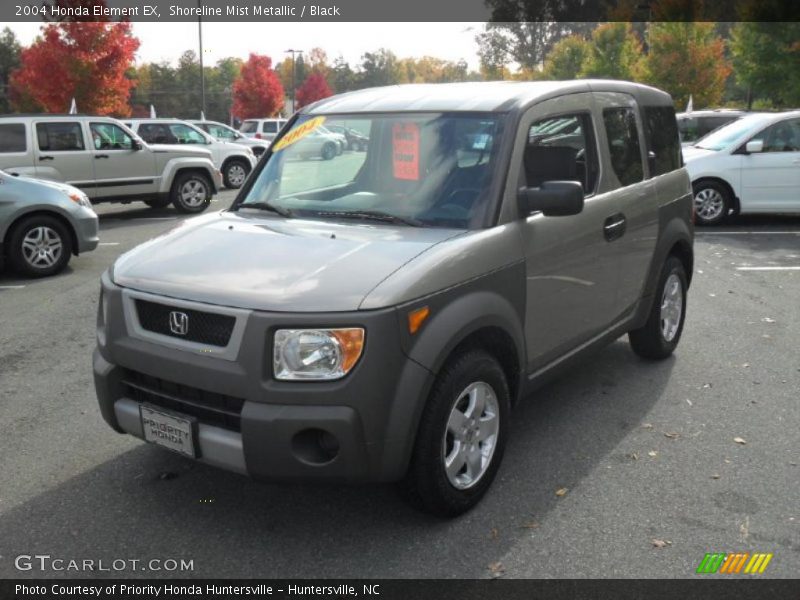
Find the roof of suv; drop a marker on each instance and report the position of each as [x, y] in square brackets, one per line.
[495, 96]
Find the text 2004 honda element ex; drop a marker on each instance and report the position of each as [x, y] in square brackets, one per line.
[375, 314]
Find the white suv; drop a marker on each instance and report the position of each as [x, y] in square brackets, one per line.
[262, 129]
[234, 160]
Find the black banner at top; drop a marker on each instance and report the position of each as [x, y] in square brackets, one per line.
[399, 11]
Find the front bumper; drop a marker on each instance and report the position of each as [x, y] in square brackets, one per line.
[87, 231]
[277, 430]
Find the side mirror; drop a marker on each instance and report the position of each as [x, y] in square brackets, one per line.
[137, 145]
[754, 146]
[552, 199]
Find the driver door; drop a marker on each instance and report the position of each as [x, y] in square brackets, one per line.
[120, 169]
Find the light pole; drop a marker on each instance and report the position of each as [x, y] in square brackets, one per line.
[202, 70]
[293, 52]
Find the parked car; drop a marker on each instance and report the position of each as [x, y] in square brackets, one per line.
[42, 224]
[355, 140]
[698, 123]
[374, 317]
[224, 133]
[339, 138]
[235, 161]
[107, 161]
[262, 129]
[749, 166]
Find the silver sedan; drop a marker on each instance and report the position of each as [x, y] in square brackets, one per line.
[42, 224]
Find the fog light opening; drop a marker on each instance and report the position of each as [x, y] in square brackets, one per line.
[315, 446]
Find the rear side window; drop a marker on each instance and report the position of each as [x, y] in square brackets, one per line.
[623, 144]
[12, 138]
[249, 127]
[662, 138]
[270, 127]
[562, 149]
[60, 137]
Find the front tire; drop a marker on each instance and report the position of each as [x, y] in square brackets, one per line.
[236, 172]
[191, 193]
[712, 202]
[329, 150]
[39, 246]
[660, 335]
[461, 436]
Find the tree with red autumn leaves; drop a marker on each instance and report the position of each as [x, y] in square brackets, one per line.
[257, 92]
[314, 88]
[82, 60]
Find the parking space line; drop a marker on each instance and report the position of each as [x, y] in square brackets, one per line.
[747, 232]
[11, 287]
[768, 268]
[109, 244]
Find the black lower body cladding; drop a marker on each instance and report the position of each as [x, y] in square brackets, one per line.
[359, 428]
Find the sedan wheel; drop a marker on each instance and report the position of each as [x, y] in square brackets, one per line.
[711, 202]
[39, 246]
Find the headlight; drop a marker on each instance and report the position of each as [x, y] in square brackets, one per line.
[316, 354]
[81, 199]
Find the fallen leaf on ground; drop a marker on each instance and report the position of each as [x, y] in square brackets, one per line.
[561, 492]
[660, 543]
[689, 402]
[746, 365]
[497, 569]
[633, 456]
[768, 320]
[493, 534]
[647, 426]
[530, 525]
[672, 434]
[715, 476]
[652, 453]
[739, 440]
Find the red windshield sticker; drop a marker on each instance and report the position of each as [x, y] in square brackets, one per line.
[405, 151]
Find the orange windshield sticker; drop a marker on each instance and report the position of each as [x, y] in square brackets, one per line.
[298, 133]
[405, 151]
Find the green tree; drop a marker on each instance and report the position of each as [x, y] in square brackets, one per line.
[615, 53]
[9, 60]
[378, 68]
[342, 77]
[565, 61]
[687, 59]
[766, 59]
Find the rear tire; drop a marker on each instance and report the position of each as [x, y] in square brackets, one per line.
[235, 173]
[461, 436]
[39, 246]
[191, 193]
[659, 336]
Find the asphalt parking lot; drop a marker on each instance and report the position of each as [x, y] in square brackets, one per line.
[660, 463]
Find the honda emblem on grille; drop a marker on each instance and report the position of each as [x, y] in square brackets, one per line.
[178, 322]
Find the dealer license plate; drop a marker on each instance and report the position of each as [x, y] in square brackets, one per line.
[173, 431]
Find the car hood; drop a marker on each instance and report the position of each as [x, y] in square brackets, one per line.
[691, 153]
[181, 150]
[261, 262]
[32, 182]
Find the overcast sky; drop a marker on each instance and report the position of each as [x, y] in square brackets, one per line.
[167, 41]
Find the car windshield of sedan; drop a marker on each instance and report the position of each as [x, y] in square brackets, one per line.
[426, 170]
[721, 138]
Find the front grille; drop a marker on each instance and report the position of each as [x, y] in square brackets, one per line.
[202, 327]
[210, 408]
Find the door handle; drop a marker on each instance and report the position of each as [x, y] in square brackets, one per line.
[614, 227]
[101, 155]
[45, 158]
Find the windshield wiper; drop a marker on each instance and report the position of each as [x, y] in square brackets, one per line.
[371, 215]
[284, 212]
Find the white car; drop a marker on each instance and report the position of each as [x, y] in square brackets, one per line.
[262, 129]
[749, 166]
[234, 160]
[225, 133]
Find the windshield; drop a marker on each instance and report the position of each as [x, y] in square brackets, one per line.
[729, 134]
[432, 170]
